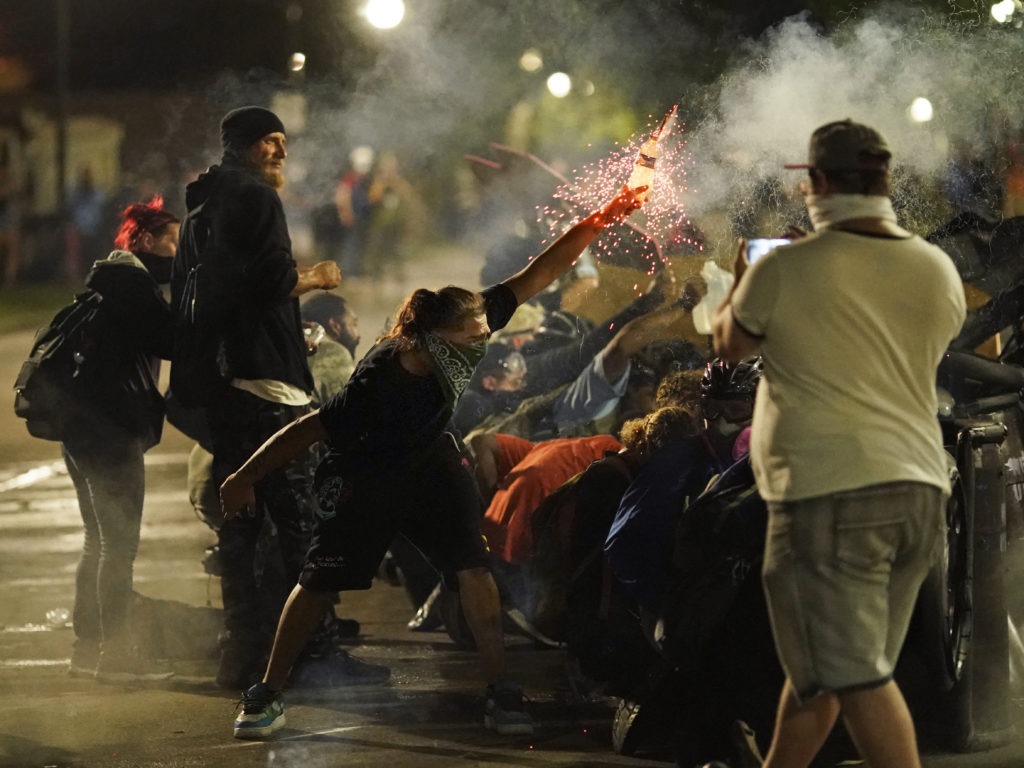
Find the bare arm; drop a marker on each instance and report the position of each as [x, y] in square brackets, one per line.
[324, 274]
[485, 450]
[732, 342]
[637, 334]
[559, 256]
[237, 496]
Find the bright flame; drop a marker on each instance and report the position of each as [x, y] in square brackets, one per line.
[384, 14]
[560, 84]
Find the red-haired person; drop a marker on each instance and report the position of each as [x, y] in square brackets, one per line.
[115, 425]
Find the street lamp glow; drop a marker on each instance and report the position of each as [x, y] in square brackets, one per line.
[559, 84]
[384, 14]
[921, 110]
[531, 60]
[1002, 11]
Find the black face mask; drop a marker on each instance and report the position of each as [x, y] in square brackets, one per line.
[157, 266]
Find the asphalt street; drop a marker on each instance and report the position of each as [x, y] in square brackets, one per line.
[429, 715]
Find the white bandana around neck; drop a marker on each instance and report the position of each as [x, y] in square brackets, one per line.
[826, 211]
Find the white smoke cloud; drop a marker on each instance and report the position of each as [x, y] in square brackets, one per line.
[442, 85]
[795, 79]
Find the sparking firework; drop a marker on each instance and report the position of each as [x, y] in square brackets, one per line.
[644, 165]
[648, 239]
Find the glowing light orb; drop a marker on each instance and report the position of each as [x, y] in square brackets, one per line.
[921, 110]
[560, 85]
[531, 60]
[384, 14]
[1002, 11]
[297, 62]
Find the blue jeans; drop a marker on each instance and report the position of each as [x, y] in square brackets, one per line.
[109, 480]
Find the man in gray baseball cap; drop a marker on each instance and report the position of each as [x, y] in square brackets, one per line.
[851, 323]
[846, 146]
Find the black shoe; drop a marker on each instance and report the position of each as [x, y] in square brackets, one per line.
[335, 670]
[343, 629]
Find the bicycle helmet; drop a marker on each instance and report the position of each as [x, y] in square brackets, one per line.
[724, 383]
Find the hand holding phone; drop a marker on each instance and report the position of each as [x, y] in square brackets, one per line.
[759, 246]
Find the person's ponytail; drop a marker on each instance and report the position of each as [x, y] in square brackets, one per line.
[425, 311]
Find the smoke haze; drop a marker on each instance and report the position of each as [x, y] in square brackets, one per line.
[445, 84]
[761, 114]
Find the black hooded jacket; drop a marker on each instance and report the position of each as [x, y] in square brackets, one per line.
[137, 330]
[242, 219]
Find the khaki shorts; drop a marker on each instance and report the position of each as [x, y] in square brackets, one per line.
[841, 575]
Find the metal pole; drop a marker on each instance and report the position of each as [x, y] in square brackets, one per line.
[63, 44]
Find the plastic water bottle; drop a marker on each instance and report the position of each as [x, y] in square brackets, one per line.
[719, 282]
[647, 156]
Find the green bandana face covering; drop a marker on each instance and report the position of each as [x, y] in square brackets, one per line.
[453, 363]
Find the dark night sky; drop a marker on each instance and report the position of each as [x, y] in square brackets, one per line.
[131, 43]
[165, 43]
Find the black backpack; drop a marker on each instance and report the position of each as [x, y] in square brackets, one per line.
[557, 564]
[199, 366]
[718, 549]
[62, 370]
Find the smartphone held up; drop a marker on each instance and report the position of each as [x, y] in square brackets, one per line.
[759, 246]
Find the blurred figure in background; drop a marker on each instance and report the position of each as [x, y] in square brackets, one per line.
[10, 223]
[1013, 184]
[86, 205]
[333, 359]
[353, 207]
[397, 215]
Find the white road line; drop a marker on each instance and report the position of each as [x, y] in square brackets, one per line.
[32, 476]
[49, 470]
[297, 737]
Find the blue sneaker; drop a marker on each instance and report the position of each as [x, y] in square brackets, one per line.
[262, 713]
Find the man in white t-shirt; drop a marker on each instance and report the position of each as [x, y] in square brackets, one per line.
[851, 322]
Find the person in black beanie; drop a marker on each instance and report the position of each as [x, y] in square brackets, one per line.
[236, 206]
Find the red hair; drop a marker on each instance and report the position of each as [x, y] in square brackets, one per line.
[138, 219]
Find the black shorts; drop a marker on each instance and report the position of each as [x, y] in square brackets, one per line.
[435, 505]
